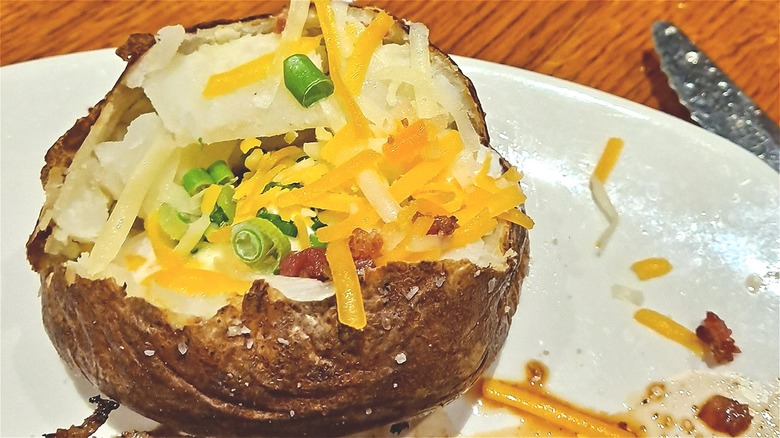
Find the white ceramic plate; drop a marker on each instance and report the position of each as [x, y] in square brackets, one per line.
[682, 193]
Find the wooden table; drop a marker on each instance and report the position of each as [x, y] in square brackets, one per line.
[605, 45]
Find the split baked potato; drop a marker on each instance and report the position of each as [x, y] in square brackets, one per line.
[156, 287]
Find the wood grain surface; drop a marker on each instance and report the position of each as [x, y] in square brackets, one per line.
[601, 44]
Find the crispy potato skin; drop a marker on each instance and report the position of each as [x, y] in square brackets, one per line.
[297, 371]
[303, 373]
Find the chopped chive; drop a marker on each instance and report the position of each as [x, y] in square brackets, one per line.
[316, 223]
[195, 180]
[287, 228]
[210, 229]
[218, 217]
[259, 243]
[220, 172]
[315, 242]
[171, 222]
[307, 83]
[187, 217]
[290, 186]
[226, 203]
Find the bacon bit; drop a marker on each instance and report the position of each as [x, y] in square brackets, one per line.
[723, 414]
[442, 225]
[312, 262]
[365, 247]
[717, 336]
[309, 263]
[281, 22]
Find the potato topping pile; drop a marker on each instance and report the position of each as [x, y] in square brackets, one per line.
[259, 153]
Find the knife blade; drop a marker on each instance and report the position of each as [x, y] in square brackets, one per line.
[715, 102]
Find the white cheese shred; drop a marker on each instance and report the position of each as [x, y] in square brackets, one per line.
[115, 231]
[601, 199]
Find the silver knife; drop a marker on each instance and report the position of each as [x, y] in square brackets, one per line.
[715, 102]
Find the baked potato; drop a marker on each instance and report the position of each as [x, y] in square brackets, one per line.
[387, 278]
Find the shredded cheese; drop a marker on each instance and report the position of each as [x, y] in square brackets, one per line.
[116, 229]
[608, 159]
[197, 281]
[377, 192]
[392, 174]
[257, 69]
[161, 244]
[335, 55]
[209, 200]
[651, 268]
[331, 180]
[349, 299]
[550, 409]
[668, 328]
[366, 44]
[600, 174]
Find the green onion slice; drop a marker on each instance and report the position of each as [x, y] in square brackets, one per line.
[257, 242]
[226, 203]
[316, 223]
[195, 180]
[272, 184]
[171, 222]
[220, 172]
[315, 242]
[287, 228]
[307, 83]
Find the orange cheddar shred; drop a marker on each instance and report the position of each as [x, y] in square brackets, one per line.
[349, 299]
[365, 46]
[161, 244]
[257, 69]
[551, 410]
[651, 268]
[331, 180]
[670, 329]
[349, 104]
[404, 146]
[608, 159]
[198, 281]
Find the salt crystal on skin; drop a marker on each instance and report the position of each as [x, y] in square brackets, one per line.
[369, 411]
[283, 341]
[400, 358]
[249, 343]
[182, 348]
[292, 413]
[245, 330]
[233, 330]
[439, 281]
[149, 353]
[412, 292]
